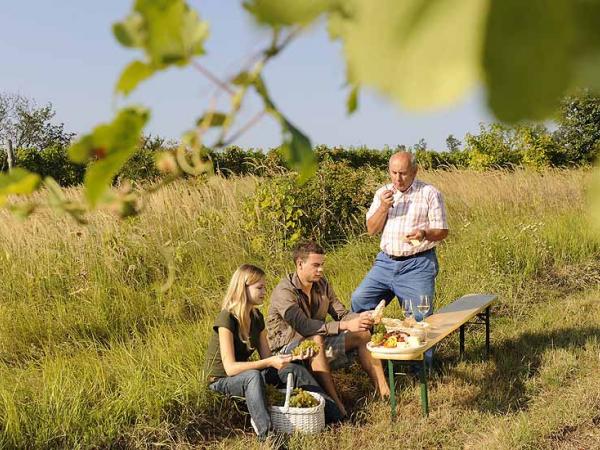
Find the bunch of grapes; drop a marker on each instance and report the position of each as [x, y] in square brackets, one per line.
[378, 338]
[302, 399]
[274, 396]
[379, 328]
[304, 346]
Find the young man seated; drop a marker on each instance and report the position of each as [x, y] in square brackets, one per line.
[299, 307]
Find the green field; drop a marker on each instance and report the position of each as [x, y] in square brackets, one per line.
[103, 327]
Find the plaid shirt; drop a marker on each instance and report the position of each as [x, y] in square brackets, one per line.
[420, 207]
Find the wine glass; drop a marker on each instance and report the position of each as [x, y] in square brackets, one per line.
[409, 313]
[424, 305]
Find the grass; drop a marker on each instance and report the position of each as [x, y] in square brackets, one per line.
[103, 328]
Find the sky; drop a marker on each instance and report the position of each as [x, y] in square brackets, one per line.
[63, 52]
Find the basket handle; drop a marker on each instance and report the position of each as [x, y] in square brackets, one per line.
[288, 391]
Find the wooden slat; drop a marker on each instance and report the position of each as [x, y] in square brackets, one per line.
[445, 321]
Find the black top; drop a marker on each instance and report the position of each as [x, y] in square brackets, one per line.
[214, 363]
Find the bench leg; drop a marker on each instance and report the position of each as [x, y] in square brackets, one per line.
[461, 341]
[392, 379]
[424, 396]
[487, 332]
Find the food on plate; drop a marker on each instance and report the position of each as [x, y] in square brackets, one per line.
[392, 323]
[377, 313]
[390, 339]
[415, 242]
[378, 338]
[390, 342]
[413, 341]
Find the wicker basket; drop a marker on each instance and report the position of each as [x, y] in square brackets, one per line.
[286, 419]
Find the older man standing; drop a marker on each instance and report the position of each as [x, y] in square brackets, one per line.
[411, 216]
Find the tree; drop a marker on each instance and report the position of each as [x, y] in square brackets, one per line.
[25, 125]
[578, 134]
[452, 143]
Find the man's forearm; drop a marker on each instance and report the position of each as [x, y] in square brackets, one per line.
[377, 221]
[435, 234]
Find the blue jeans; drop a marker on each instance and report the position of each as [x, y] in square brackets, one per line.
[407, 280]
[250, 384]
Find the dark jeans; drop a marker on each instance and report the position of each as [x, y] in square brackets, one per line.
[250, 384]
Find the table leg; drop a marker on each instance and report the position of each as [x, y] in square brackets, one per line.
[487, 332]
[392, 379]
[461, 341]
[424, 396]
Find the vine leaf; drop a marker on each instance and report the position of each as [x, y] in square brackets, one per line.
[287, 12]
[17, 182]
[594, 197]
[422, 53]
[528, 59]
[296, 146]
[212, 119]
[108, 147]
[169, 33]
[134, 74]
[352, 102]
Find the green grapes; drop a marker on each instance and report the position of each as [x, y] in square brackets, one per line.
[274, 396]
[378, 338]
[305, 346]
[379, 328]
[302, 399]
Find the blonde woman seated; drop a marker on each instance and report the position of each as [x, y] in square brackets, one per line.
[239, 330]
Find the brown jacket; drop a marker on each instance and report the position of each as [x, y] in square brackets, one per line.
[292, 316]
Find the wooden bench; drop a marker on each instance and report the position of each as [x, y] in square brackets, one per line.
[448, 319]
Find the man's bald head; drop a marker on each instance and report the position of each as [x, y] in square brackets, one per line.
[403, 169]
[404, 158]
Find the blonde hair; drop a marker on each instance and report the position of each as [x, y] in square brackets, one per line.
[236, 298]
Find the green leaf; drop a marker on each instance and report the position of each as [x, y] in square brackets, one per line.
[594, 198]
[169, 33]
[298, 152]
[287, 12]
[422, 53]
[212, 119]
[587, 47]
[18, 181]
[528, 57]
[109, 146]
[352, 102]
[241, 79]
[130, 32]
[296, 147]
[134, 73]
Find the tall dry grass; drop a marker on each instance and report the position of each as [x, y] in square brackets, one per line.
[103, 327]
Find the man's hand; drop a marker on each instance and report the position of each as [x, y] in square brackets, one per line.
[362, 322]
[415, 235]
[387, 199]
[280, 361]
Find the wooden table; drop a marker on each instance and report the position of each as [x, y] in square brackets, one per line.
[450, 318]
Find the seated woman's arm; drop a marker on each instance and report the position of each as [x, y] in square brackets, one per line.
[263, 346]
[233, 367]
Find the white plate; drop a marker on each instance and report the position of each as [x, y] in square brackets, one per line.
[394, 351]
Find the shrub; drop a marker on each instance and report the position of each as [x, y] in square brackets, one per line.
[329, 208]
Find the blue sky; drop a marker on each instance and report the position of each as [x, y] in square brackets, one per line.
[63, 52]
